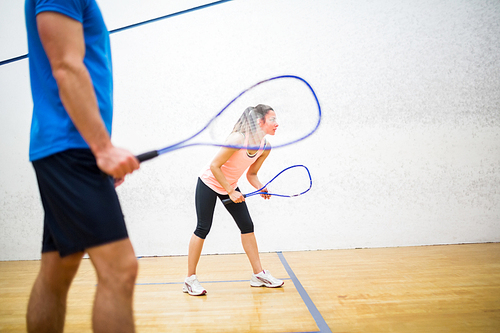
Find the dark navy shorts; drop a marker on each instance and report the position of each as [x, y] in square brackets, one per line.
[81, 205]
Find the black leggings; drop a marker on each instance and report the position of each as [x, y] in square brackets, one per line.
[205, 205]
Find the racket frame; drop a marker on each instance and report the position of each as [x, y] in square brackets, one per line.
[184, 143]
[259, 191]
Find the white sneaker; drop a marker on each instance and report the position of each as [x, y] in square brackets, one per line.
[193, 286]
[265, 279]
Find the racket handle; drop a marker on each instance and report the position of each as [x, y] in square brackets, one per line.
[147, 156]
[228, 200]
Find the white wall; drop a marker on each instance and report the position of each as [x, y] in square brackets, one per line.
[408, 152]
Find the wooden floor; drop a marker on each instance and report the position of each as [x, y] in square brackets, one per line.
[452, 288]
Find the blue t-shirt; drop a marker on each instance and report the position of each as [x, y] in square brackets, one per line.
[52, 130]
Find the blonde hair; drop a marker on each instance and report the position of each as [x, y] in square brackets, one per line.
[248, 122]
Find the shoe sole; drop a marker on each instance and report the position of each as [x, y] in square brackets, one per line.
[263, 285]
[193, 294]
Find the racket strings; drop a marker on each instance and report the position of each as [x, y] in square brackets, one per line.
[297, 108]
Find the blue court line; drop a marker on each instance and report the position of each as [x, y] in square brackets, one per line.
[289, 278]
[5, 62]
[318, 318]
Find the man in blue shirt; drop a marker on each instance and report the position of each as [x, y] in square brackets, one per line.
[70, 148]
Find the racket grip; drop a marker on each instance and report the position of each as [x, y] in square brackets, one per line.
[228, 200]
[147, 156]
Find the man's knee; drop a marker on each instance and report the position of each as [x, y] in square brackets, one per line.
[121, 274]
[130, 270]
[115, 264]
[127, 268]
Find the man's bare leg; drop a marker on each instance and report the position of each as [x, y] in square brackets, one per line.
[47, 302]
[116, 267]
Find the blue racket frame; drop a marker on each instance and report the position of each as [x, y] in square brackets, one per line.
[259, 191]
[184, 143]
